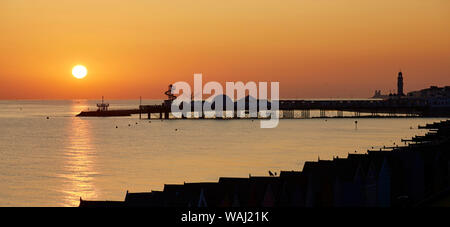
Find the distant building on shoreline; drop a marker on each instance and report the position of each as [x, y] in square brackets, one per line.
[433, 95]
[399, 89]
[431, 92]
[400, 84]
[378, 95]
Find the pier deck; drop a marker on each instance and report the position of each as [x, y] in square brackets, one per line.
[287, 108]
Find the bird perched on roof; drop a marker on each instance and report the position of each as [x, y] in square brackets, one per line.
[270, 173]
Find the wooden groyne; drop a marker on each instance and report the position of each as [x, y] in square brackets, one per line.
[104, 111]
[108, 113]
[417, 174]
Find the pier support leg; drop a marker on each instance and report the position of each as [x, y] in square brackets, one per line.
[322, 113]
[160, 115]
[288, 114]
[340, 113]
[392, 114]
[166, 115]
[149, 115]
[305, 114]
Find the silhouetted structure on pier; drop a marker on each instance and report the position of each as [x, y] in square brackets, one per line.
[102, 106]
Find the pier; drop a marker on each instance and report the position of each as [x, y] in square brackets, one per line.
[292, 109]
[431, 102]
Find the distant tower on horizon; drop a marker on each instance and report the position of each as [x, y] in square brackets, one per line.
[400, 84]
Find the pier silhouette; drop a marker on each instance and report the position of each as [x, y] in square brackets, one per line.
[431, 102]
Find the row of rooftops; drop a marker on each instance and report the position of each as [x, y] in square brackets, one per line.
[398, 176]
[431, 92]
[434, 96]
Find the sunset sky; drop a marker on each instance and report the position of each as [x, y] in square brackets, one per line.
[314, 48]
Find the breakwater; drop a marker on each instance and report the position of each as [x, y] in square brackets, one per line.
[416, 174]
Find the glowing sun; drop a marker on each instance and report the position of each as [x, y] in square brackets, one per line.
[79, 71]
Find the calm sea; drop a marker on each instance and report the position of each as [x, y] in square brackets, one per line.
[55, 161]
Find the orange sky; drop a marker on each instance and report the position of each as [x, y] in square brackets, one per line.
[314, 48]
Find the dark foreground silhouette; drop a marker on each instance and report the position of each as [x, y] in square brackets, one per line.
[416, 174]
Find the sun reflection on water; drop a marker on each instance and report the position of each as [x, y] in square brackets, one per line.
[79, 166]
